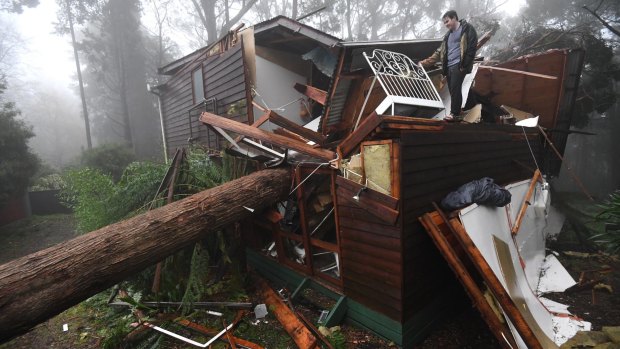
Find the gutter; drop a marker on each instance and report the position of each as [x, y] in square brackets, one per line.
[154, 90]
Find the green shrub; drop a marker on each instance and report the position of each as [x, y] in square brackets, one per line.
[110, 159]
[52, 181]
[97, 201]
[17, 162]
[610, 214]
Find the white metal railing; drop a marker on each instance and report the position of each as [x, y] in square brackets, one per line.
[403, 81]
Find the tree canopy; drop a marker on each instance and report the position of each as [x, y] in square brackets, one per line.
[17, 163]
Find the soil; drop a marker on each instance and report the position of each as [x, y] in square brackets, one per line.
[89, 322]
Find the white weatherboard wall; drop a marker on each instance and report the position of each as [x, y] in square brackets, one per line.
[274, 85]
[518, 262]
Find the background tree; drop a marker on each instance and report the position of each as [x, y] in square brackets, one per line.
[17, 162]
[55, 119]
[560, 24]
[17, 6]
[120, 57]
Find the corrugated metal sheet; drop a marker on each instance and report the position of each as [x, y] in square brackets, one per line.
[353, 60]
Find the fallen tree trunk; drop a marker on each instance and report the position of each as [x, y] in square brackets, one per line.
[38, 286]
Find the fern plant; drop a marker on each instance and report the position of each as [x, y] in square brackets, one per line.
[610, 214]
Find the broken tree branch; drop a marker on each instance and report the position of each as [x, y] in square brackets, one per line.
[603, 22]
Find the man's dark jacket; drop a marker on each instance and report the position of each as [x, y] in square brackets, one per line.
[468, 42]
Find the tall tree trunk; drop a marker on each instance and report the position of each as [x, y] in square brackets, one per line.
[38, 286]
[79, 74]
[208, 7]
[348, 15]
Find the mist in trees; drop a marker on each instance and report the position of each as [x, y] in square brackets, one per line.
[122, 43]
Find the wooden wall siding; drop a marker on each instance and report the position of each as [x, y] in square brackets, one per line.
[224, 80]
[371, 259]
[436, 163]
[535, 95]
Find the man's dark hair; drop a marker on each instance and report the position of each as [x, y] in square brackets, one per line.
[450, 14]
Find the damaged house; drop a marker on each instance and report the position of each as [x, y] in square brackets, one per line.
[360, 126]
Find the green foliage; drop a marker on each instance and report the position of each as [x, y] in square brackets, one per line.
[110, 159]
[198, 277]
[200, 172]
[337, 340]
[17, 162]
[97, 201]
[52, 181]
[610, 214]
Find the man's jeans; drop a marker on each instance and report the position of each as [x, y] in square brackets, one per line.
[455, 81]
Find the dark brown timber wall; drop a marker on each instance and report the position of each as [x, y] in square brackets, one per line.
[371, 258]
[436, 163]
[224, 81]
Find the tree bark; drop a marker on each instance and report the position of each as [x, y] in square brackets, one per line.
[38, 286]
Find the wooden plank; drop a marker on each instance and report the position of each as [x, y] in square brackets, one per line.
[382, 243]
[295, 128]
[249, 131]
[372, 286]
[356, 137]
[412, 120]
[354, 212]
[384, 213]
[449, 136]
[365, 226]
[264, 118]
[393, 265]
[388, 126]
[526, 202]
[520, 72]
[353, 246]
[300, 334]
[212, 332]
[350, 186]
[502, 296]
[500, 330]
[391, 311]
[311, 92]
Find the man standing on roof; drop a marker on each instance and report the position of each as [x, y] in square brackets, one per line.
[456, 54]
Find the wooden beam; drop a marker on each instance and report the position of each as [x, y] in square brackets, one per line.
[492, 281]
[432, 222]
[543, 76]
[291, 126]
[526, 202]
[311, 92]
[369, 200]
[256, 123]
[300, 334]
[212, 332]
[356, 137]
[286, 133]
[249, 131]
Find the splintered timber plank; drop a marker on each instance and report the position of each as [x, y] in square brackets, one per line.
[295, 128]
[432, 222]
[526, 203]
[383, 199]
[212, 332]
[313, 93]
[249, 131]
[385, 213]
[356, 137]
[295, 328]
[494, 284]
